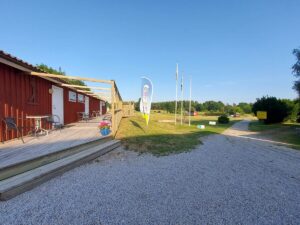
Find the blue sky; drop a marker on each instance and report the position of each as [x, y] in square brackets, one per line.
[233, 50]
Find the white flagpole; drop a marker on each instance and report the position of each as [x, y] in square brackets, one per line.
[181, 97]
[176, 93]
[190, 106]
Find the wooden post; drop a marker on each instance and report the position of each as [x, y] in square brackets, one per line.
[113, 119]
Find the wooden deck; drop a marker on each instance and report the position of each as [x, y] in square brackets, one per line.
[15, 151]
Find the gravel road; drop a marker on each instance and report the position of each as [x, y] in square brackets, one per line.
[230, 179]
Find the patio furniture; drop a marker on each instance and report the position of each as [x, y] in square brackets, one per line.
[82, 116]
[79, 116]
[96, 113]
[10, 124]
[55, 121]
[38, 124]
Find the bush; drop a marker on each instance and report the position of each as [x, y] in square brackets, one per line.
[293, 112]
[276, 109]
[223, 119]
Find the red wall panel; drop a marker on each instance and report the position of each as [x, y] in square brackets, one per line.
[71, 108]
[15, 94]
[94, 104]
[16, 91]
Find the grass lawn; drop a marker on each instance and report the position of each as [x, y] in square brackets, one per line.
[162, 138]
[283, 132]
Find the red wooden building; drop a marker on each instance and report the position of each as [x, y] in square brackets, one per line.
[22, 94]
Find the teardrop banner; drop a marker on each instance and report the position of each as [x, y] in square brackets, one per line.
[146, 98]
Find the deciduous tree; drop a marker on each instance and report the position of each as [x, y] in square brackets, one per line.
[296, 70]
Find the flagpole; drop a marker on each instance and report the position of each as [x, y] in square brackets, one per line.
[176, 93]
[181, 97]
[190, 106]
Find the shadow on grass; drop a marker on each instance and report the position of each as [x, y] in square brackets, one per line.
[259, 126]
[165, 138]
[165, 144]
[137, 125]
[285, 133]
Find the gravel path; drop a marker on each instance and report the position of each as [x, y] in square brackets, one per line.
[230, 179]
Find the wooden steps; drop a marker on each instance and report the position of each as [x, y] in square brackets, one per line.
[29, 164]
[32, 177]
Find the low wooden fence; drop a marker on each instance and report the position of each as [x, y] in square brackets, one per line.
[116, 108]
[128, 109]
[113, 96]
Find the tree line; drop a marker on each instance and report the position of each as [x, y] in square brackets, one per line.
[214, 107]
[278, 110]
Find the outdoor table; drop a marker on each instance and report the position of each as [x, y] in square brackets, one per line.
[38, 124]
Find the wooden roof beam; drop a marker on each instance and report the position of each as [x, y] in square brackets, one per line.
[70, 77]
[49, 76]
[100, 97]
[87, 92]
[102, 93]
[85, 87]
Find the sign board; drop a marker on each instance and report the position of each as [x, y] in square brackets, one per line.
[213, 123]
[201, 126]
[262, 115]
[72, 96]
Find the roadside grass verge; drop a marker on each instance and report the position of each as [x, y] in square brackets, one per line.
[283, 132]
[163, 138]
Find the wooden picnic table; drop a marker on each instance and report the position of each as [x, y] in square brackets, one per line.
[38, 123]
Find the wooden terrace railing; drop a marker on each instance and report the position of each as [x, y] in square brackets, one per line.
[111, 95]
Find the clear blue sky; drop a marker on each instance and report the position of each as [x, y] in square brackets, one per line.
[233, 50]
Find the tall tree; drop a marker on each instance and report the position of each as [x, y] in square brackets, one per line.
[214, 106]
[277, 109]
[51, 70]
[296, 70]
[246, 107]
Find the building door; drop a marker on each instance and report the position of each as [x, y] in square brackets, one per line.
[100, 107]
[87, 105]
[58, 103]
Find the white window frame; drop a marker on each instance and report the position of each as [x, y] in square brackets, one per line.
[72, 96]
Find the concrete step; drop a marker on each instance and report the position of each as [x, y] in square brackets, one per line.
[26, 165]
[20, 183]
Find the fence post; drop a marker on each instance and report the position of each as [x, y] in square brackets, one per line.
[113, 119]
